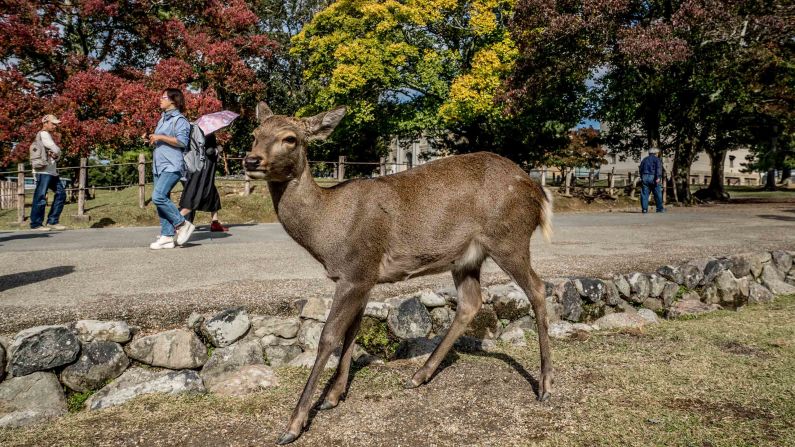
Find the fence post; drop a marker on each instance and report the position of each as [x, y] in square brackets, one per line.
[590, 182]
[611, 183]
[247, 186]
[569, 175]
[382, 166]
[81, 193]
[21, 193]
[141, 180]
[341, 169]
[664, 187]
[543, 176]
[631, 185]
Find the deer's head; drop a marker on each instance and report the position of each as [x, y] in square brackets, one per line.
[279, 150]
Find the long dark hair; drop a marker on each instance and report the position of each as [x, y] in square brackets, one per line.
[175, 95]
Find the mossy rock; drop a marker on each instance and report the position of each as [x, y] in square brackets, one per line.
[375, 338]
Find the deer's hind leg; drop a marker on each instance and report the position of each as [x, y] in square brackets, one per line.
[515, 261]
[467, 283]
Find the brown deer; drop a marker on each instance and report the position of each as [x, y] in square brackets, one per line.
[446, 215]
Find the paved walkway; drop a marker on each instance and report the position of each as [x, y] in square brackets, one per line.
[111, 273]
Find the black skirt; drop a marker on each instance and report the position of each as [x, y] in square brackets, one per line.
[200, 193]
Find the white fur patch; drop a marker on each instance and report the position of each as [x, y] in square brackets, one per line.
[473, 256]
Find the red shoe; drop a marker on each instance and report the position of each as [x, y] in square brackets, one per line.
[216, 226]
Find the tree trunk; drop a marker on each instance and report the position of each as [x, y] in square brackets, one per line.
[786, 173]
[770, 183]
[716, 190]
[683, 159]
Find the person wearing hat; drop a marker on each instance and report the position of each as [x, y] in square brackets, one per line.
[47, 179]
[651, 169]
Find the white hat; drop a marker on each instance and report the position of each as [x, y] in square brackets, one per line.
[50, 119]
[654, 150]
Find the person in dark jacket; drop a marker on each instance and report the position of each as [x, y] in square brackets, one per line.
[200, 193]
[651, 175]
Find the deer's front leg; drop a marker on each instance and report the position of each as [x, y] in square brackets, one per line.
[340, 379]
[349, 299]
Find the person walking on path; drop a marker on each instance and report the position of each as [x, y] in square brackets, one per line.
[651, 169]
[45, 170]
[171, 136]
[200, 193]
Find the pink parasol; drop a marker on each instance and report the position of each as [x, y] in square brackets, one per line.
[213, 121]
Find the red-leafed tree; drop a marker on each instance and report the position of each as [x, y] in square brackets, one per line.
[100, 65]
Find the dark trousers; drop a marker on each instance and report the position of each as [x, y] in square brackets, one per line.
[44, 183]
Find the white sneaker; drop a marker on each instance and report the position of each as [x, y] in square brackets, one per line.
[184, 232]
[57, 227]
[162, 242]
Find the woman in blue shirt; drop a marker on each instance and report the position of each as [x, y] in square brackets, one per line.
[171, 136]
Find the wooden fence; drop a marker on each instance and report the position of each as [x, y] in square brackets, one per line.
[13, 192]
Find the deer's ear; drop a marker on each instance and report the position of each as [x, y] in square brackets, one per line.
[320, 126]
[263, 112]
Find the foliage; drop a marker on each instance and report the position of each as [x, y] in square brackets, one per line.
[584, 150]
[75, 400]
[100, 64]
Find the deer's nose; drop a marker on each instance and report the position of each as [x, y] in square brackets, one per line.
[252, 162]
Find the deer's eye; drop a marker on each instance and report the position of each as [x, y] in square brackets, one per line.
[290, 140]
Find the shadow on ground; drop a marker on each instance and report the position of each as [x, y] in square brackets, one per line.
[24, 278]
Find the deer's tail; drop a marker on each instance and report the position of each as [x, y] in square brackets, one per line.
[546, 215]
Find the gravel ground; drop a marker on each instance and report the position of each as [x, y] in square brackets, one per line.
[110, 273]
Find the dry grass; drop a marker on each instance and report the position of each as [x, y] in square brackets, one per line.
[726, 379]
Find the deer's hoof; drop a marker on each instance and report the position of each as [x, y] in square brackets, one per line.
[410, 384]
[287, 438]
[326, 405]
[544, 396]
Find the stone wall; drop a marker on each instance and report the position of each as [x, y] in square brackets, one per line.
[234, 353]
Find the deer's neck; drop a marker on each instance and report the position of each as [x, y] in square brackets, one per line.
[299, 203]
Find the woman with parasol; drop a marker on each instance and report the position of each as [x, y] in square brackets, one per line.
[200, 193]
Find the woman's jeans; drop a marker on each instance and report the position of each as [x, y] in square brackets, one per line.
[647, 184]
[170, 218]
[44, 183]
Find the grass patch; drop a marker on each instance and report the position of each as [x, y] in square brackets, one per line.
[75, 401]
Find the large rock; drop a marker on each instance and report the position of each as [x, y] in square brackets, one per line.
[649, 315]
[2, 362]
[409, 319]
[441, 319]
[782, 260]
[570, 300]
[272, 340]
[281, 327]
[95, 330]
[229, 359]
[728, 287]
[30, 399]
[377, 309]
[622, 285]
[307, 360]
[653, 304]
[672, 273]
[591, 290]
[309, 334]
[759, 293]
[657, 283]
[431, 299]
[715, 268]
[141, 381]
[485, 324]
[741, 266]
[41, 348]
[554, 309]
[711, 295]
[692, 276]
[510, 302]
[640, 287]
[758, 262]
[688, 307]
[244, 380]
[620, 320]
[281, 355]
[317, 309]
[612, 295]
[99, 362]
[515, 332]
[174, 349]
[226, 327]
[668, 294]
[772, 279]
